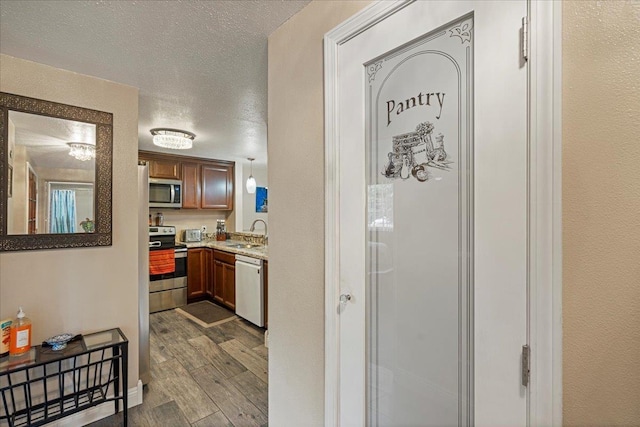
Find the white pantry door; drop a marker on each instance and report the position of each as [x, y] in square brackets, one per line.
[431, 217]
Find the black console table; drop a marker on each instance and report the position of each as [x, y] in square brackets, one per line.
[43, 385]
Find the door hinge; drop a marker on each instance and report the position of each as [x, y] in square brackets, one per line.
[526, 365]
[525, 39]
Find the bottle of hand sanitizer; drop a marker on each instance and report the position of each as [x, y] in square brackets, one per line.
[20, 334]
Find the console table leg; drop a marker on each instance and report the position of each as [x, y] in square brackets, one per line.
[116, 384]
[125, 382]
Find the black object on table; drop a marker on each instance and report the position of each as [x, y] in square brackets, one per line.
[44, 385]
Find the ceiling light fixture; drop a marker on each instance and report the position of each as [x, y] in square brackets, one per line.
[251, 181]
[82, 151]
[174, 139]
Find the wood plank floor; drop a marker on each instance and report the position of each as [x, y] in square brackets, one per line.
[202, 376]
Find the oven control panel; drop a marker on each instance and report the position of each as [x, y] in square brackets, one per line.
[162, 231]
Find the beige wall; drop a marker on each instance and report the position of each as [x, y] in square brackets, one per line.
[188, 218]
[296, 214]
[81, 290]
[601, 213]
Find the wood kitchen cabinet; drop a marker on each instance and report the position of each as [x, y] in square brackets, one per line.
[209, 269]
[207, 186]
[211, 274]
[206, 183]
[190, 186]
[217, 186]
[218, 280]
[224, 282]
[164, 168]
[197, 273]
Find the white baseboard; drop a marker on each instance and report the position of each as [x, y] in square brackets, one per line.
[99, 412]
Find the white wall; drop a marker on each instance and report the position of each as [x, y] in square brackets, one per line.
[89, 289]
[249, 213]
[296, 213]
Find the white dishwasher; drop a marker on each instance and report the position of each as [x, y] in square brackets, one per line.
[249, 289]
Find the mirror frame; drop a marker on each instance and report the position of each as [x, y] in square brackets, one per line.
[103, 170]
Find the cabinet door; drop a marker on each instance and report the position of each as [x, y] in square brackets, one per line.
[161, 168]
[196, 273]
[208, 255]
[217, 187]
[218, 281]
[190, 186]
[230, 286]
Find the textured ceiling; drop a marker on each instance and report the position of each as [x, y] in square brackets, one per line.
[200, 66]
[45, 139]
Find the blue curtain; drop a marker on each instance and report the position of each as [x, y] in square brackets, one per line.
[63, 211]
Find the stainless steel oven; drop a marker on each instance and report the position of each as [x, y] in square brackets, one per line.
[167, 290]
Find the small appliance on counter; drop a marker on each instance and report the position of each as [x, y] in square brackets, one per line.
[221, 230]
[192, 235]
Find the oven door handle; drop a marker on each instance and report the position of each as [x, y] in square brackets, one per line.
[155, 244]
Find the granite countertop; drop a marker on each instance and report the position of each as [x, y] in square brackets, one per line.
[259, 252]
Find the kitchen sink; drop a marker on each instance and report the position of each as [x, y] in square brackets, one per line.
[244, 245]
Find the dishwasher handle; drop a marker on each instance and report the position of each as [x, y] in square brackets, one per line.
[248, 260]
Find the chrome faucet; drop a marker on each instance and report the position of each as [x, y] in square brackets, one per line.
[253, 228]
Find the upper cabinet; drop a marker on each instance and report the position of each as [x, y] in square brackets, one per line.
[191, 188]
[217, 186]
[206, 183]
[164, 168]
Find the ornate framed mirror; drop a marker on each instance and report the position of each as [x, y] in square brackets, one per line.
[55, 185]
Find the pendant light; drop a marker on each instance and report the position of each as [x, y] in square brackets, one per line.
[251, 181]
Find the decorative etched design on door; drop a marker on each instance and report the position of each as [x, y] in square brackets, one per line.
[373, 69]
[414, 152]
[462, 30]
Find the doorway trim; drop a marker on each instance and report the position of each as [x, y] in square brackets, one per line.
[544, 206]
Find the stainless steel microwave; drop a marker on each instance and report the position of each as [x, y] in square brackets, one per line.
[165, 193]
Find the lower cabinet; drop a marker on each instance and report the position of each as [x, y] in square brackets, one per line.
[211, 274]
[208, 266]
[224, 283]
[218, 274]
[197, 273]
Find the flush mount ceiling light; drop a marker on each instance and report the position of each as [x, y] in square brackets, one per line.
[82, 151]
[251, 181]
[175, 139]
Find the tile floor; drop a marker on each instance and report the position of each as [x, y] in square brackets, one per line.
[202, 376]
